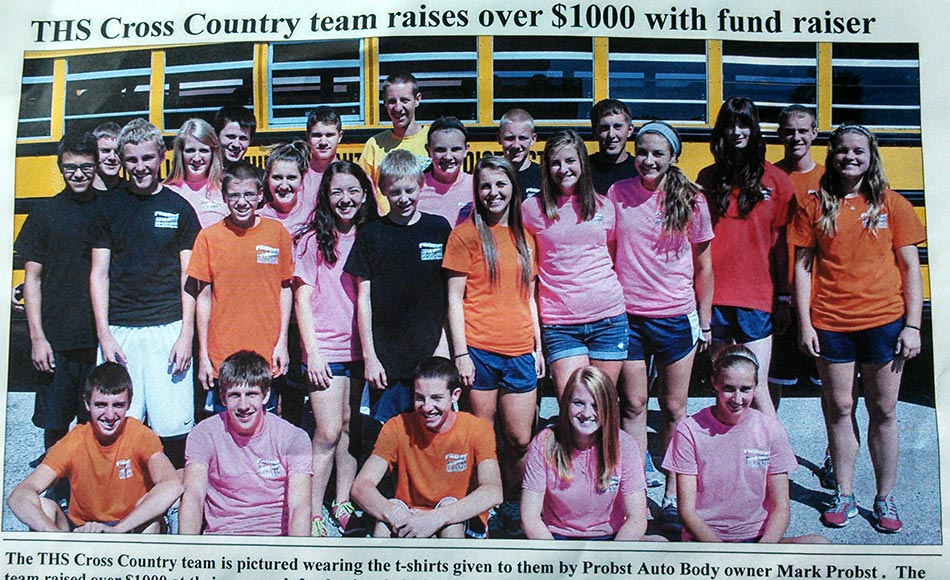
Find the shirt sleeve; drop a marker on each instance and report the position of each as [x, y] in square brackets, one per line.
[198, 446]
[681, 453]
[188, 226]
[305, 257]
[59, 456]
[802, 231]
[783, 195]
[458, 254]
[359, 262]
[387, 443]
[632, 477]
[31, 244]
[287, 255]
[199, 266]
[484, 441]
[781, 457]
[701, 229]
[298, 452]
[535, 468]
[906, 226]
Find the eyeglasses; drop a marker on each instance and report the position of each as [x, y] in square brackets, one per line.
[247, 196]
[86, 168]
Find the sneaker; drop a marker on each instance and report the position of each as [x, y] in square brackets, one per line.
[885, 518]
[653, 476]
[842, 509]
[826, 474]
[318, 528]
[346, 518]
[509, 513]
[670, 515]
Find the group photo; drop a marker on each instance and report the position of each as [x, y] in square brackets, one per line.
[603, 289]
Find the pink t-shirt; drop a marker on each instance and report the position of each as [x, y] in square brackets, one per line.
[248, 476]
[578, 282]
[208, 204]
[732, 464]
[295, 220]
[576, 507]
[451, 201]
[655, 267]
[742, 250]
[333, 301]
[311, 188]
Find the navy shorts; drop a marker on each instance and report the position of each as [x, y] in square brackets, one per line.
[740, 325]
[871, 346]
[341, 369]
[394, 399]
[57, 403]
[513, 373]
[600, 340]
[667, 339]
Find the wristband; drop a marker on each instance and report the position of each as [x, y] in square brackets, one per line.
[784, 299]
[460, 355]
[705, 330]
[917, 328]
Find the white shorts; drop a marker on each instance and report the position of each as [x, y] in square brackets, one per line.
[163, 400]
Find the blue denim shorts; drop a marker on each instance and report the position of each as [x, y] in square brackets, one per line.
[668, 339]
[600, 340]
[740, 325]
[512, 373]
[872, 345]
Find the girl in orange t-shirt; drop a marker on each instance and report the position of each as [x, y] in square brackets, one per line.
[496, 336]
[858, 239]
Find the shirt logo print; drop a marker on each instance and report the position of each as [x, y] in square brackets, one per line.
[124, 466]
[881, 221]
[456, 462]
[756, 458]
[267, 254]
[429, 252]
[269, 468]
[166, 220]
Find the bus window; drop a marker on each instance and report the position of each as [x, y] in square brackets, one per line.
[111, 86]
[448, 79]
[876, 85]
[553, 85]
[199, 82]
[304, 75]
[774, 75]
[659, 79]
[36, 99]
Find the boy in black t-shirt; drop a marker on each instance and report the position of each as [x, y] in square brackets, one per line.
[141, 246]
[56, 289]
[401, 305]
[612, 125]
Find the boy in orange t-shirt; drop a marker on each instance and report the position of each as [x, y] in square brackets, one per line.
[444, 461]
[120, 479]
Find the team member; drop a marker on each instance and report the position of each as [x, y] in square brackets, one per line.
[119, 478]
[197, 171]
[144, 319]
[235, 126]
[283, 175]
[516, 136]
[324, 131]
[325, 299]
[859, 297]
[612, 126]
[248, 471]
[750, 200]
[444, 463]
[56, 289]
[107, 171]
[448, 189]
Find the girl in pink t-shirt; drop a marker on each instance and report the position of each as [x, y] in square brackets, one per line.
[584, 476]
[197, 171]
[750, 200]
[733, 462]
[325, 303]
[493, 318]
[581, 301]
[283, 176]
[664, 265]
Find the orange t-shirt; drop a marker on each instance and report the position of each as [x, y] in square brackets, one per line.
[105, 481]
[432, 466]
[806, 184]
[856, 279]
[497, 317]
[246, 269]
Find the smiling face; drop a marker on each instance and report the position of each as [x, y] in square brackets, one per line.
[142, 162]
[323, 140]
[109, 162]
[242, 198]
[584, 414]
[196, 157]
[234, 142]
[516, 140]
[403, 197]
[494, 193]
[612, 133]
[346, 198]
[433, 403]
[447, 151]
[653, 159]
[565, 168]
[738, 134]
[285, 183]
[797, 134]
[735, 389]
[852, 159]
[245, 408]
[78, 171]
[401, 106]
[107, 414]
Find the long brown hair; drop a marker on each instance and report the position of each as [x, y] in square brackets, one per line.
[560, 447]
[832, 190]
[480, 217]
[585, 187]
[742, 168]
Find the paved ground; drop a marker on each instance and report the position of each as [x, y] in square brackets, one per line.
[918, 485]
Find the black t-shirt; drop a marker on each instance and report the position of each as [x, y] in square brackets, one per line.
[530, 180]
[404, 265]
[606, 173]
[146, 235]
[54, 236]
